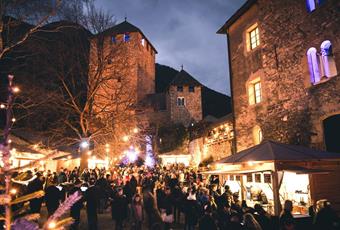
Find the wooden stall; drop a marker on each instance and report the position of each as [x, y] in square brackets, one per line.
[277, 172]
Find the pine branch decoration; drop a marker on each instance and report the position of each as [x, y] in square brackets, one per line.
[28, 197]
[63, 208]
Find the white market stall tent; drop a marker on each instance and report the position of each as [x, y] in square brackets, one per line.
[272, 172]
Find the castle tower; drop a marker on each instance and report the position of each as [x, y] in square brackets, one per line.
[184, 99]
[124, 57]
[122, 73]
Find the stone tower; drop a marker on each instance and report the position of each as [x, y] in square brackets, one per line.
[122, 74]
[124, 57]
[184, 99]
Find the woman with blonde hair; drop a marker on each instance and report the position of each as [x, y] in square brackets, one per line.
[250, 223]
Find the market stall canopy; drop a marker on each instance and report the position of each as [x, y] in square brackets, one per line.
[274, 151]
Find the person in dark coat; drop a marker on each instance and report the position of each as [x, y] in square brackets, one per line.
[76, 208]
[326, 218]
[167, 208]
[192, 211]
[286, 218]
[34, 186]
[92, 200]
[102, 185]
[150, 207]
[119, 208]
[52, 198]
[263, 217]
[207, 221]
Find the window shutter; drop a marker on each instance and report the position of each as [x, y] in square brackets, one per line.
[251, 95]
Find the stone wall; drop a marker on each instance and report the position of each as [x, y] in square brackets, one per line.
[215, 144]
[292, 109]
[192, 111]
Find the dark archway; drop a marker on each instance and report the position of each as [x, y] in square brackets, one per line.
[331, 128]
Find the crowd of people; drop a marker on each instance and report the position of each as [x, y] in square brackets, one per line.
[159, 198]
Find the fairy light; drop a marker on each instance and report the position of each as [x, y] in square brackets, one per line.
[125, 138]
[16, 89]
[52, 225]
[13, 191]
[2, 106]
[135, 130]
[14, 120]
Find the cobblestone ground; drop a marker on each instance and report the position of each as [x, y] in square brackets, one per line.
[105, 222]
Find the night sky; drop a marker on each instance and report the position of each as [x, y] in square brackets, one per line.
[183, 32]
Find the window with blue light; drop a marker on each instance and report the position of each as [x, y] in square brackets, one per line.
[126, 37]
[313, 64]
[327, 59]
[179, 88]
[321, 64]
[313, 4]
[191, 89]
[113, 39]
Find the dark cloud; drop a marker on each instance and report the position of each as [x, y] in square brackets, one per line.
[183, 32]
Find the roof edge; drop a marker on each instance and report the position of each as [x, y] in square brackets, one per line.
[244, 8]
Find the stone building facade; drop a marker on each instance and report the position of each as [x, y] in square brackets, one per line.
[281, 90]
[126, 59]
[184, 99]
[285, 82]
[216, 142]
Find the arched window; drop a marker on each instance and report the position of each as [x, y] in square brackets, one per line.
[327, 58]
[313, 64]
[310, 5]
[257, 135]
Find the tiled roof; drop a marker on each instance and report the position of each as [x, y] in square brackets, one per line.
[125, 27]
[244, 8]
[184, 78]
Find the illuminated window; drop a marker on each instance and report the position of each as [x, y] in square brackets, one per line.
[191, 89]
[179, 88]
[249, 177]
[258, 178]
[327, 60]
[143, 42]
[321, 65]
[253, 37]
[257, 135]
[126, 37]
[313, 64]
[255, 92]
[267, 178]
[180, 101]
[113, 39]
[312, 4]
